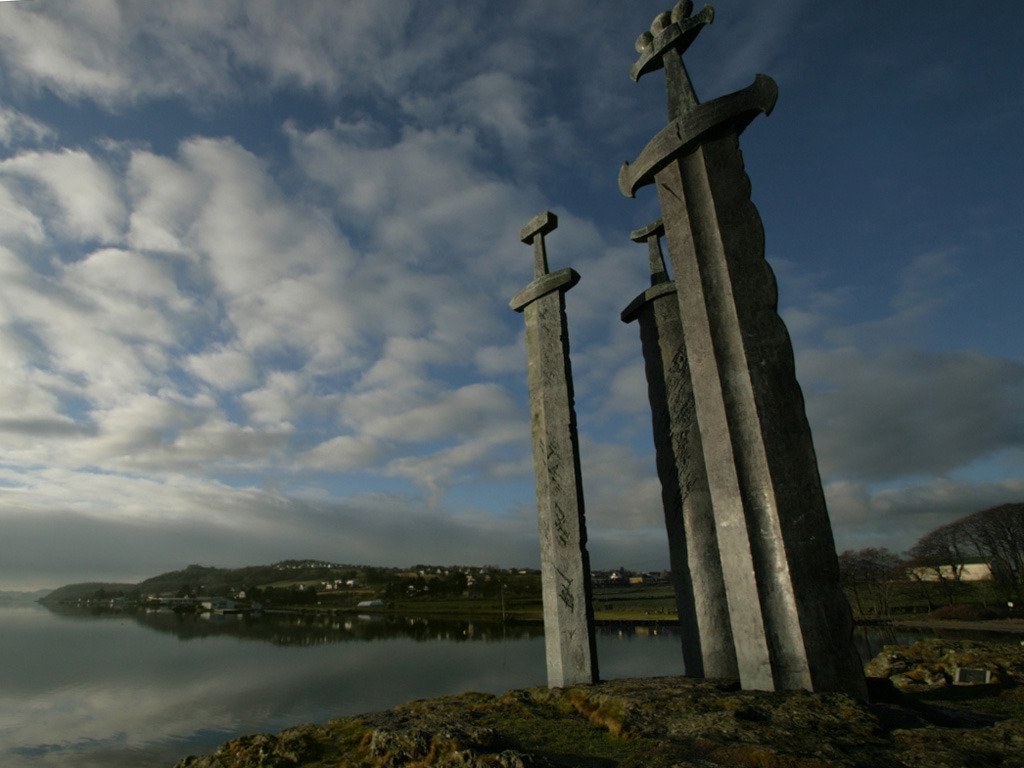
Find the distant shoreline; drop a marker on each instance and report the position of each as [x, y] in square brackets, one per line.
[1005, 626]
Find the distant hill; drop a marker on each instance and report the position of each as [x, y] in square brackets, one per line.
[22, 598]
[202, 579]
[208, 580]
[88, 589]
[301, 578]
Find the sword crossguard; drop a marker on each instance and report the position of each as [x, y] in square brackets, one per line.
[735, 111]
[651, 234]
[533, 233]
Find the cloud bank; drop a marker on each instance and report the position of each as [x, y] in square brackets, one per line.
[255, 264]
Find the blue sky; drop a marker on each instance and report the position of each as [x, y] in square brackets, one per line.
[255, 259]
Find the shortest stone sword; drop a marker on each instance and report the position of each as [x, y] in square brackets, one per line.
[565, 566]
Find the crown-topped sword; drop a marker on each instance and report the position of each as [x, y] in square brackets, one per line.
[689, 120]
[790, 622]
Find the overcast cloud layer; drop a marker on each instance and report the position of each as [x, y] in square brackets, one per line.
[255, 259]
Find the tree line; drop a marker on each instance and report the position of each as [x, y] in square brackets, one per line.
[875, 576]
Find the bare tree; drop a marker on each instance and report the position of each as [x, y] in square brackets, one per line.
[874, 572]
[998, 534]
[936, 558]
[995, 535]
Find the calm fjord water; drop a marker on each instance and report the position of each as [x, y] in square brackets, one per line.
[119, 690]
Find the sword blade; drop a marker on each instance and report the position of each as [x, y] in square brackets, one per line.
[565, 566]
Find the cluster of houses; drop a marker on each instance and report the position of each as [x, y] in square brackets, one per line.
[217, 605]
[302, 565]
[335, 584]
[625, 578]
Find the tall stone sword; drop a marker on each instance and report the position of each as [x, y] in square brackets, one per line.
[693, 547]
[565, 566]
[790, 620]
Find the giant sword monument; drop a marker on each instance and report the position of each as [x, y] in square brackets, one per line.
[693, 546]
[564, 565]
[748, 475]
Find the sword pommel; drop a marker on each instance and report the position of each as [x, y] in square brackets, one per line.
[661, 283]
[681, 10]
[533, 233]
[675, 30]
[540, 224]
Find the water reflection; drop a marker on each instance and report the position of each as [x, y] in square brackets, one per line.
[112, 689]
[306, 629]
[126, 689]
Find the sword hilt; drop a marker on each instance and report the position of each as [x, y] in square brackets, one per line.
[662, 47]
[533, 233]
[655, 258]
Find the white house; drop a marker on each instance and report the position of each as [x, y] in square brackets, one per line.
[969, 570]
[216, 604]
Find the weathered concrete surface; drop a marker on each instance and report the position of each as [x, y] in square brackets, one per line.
[790, 620]
[689, 520]
[565, 567]
[659, 723]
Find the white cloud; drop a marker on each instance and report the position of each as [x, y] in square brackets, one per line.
[16, 220]
[621, 488]
[899, 413]
[278, 402]
[897, 517]
[118, 53]
[279, 267]
[226, 368]
[344, 452]
[137, 424]
[213, 445]
[436, 471]
[129, 527]
[628, 390]
[74, 339]
[30, 403]
[165, 199]
[17, 127]
[470, 409]
[85, 192]
[498, 360]
[187, 302]
[74, 52]
[422, 193]
[499, 102]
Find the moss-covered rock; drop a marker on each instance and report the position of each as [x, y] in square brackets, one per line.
[932, 664]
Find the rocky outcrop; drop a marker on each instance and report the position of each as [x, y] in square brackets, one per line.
[928, 665]
[676, 722]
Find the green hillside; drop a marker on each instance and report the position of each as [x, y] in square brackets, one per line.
[87, 590]
[317, 583]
